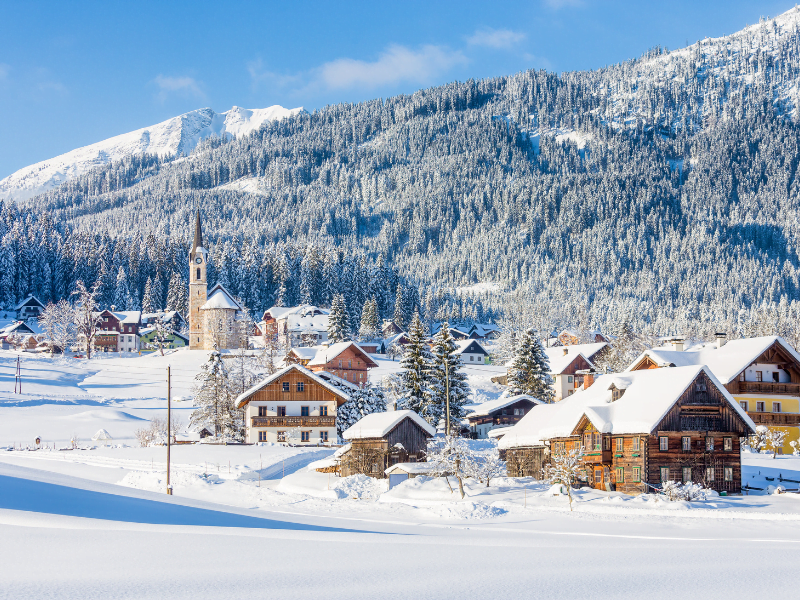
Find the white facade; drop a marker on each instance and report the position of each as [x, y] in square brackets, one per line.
[304, 432]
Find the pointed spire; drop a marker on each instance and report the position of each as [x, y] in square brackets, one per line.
[198, 235]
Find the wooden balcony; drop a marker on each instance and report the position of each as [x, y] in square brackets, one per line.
[766, 387]
[785, 419]
[290, 422]
[597, 456]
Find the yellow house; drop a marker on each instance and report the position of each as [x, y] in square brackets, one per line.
[762, 374]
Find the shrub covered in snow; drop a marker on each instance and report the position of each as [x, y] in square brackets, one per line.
[689, 491]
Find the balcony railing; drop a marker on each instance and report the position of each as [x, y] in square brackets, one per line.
[597, 456]
[294, 421]
[788, 419]
[768, 387]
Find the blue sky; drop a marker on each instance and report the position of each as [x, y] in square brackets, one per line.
[73, 73]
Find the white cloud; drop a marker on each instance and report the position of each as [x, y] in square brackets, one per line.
[187, 86]
[261, 76]
[557, 4]
[495, 38]
[394, 65]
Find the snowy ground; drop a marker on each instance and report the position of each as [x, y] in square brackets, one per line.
[253, 520]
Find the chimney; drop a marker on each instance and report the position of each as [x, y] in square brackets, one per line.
[722, 338]
[391, 406]
[566, 351]
[588, 377]
[113, 308]
[677, 344]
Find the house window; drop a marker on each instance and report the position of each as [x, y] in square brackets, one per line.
[598, 476]
[727, 444]
[198, 273]
[471, 358]
[664, 474]
[709, 444]
[620, 443]
[663, 443]
[776, 407]
[775, 377]
[741, 376]
[285, 386]
[305, 436]
[637, 474]
[303, 411]
[759, 376]
[759, 407]
[323, 411]
[345, 376]
[687, 474]
[281, 436]
[349, 364]
[262, 411]
[301, 386]
[281, 411]
[262, 436]
[636, 444]
[596, 437]
[727, 473]
[606, 443]
[323, 436]
[686, 443]
[620, 475]
[743, 404]
[569, 378]
[709, 473]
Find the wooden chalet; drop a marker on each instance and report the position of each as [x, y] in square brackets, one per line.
[30, 308]
[503, 412]
[346, 360]
[639, 429]
[381, 440]
[570, 337]
[293, 405]
[762, 374]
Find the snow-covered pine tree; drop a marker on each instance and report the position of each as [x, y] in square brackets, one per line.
[121, 293]
[367, 399]
[86, 315]
[177, 297]
[529, 372]
[148, 301]
[415, 374]
[399, 315]
[446, 373]
[370, 326]
[338, 322]
[213, 397]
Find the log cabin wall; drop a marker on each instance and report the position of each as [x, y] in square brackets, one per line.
[312, 391]
[372, 456]
[410, 436]
[698, 459]
[525, 461]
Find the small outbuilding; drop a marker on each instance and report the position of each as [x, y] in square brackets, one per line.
[401, 471]
[381, 440]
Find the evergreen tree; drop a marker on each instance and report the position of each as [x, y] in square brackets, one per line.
[399, 316]
[415, 375]
[338, 322]
[529, 372]
[121, 294]
[370, 326]
[367, 399]
[446, 374]
[214, 397]
[177, 296]
[148, 300]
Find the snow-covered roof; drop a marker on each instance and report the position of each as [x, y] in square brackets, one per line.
[220, 298]
[102, 435]
[305, 317]
[726, 362]
[305, 353]
[392, 339]
[30, 300]
[325, 355]
[498, 431]
[648, 397]
[561, 357]
[128, 317]
[415, 468]
[378, 425]
[342, 450]
[326, 382]
[488, 407]
[18, 327]
[462, 345]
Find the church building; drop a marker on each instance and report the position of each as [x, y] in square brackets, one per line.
[213, 322]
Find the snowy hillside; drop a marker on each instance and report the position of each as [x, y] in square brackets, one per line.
[175, 136]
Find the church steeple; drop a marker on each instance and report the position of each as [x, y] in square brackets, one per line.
[198, 234]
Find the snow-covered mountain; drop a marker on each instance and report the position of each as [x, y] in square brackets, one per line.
[175, 136]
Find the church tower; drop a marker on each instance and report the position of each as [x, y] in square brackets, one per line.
[198, 288]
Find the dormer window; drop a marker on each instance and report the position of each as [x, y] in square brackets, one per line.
[616, 393]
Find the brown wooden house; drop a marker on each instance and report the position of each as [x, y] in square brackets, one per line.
[637, 430]
[294, 405]
[503, 412]
[381, 440]
[346, 360]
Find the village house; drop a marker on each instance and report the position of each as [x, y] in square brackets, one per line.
[568, 365]
[503, 412]
[293, 405]
[638, 430]
[30, 308]
[472, 352]
[170, 318]
[346, 360]
[390, 328]
[762, 374]
[172, 340]
[118, 331]
[295, 326]
[571, 337]
[381, 440]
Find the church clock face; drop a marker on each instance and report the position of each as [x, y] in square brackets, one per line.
[198, 260]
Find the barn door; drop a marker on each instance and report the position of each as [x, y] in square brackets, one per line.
[397, 479]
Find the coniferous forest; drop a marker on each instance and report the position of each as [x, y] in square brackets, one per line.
[661, 192]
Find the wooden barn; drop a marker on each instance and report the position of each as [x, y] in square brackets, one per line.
[381, 440]
[503, 412]
[639, 429]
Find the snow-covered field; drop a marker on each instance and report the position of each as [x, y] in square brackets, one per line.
[254, 520]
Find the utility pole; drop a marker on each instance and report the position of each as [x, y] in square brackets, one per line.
[169, 424]
[447, 392]
[18, 378]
